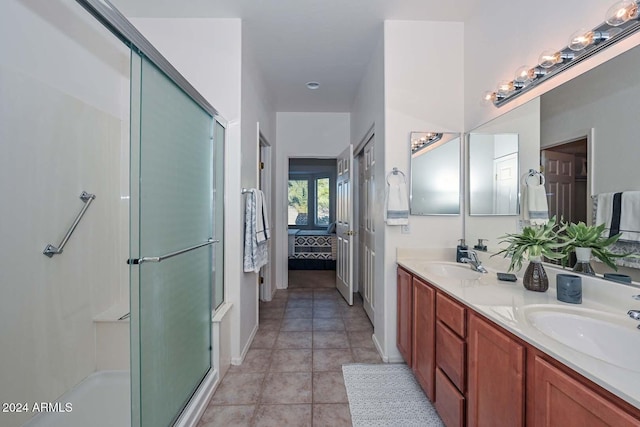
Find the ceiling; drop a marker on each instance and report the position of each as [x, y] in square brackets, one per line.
[297, 41]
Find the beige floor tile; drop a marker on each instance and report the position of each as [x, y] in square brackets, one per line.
[283, 416]
[300, 303]
[326, 312]
[330, 339]
[265, 339]
[291, 361]
[294, 340]
[270, 325]
[332, 324]
[366, 355]
[296, 325]
[328, 387]
[271, 313]
[331, 359]
[300, 294]
[287, 387]
[362, 339]
[358, 324]
[256, 361]
[236, 416]
[327, 303]
[238, 389]
[298, 313]
[331, 415]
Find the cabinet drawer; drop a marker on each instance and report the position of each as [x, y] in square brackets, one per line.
[451, 314]
[449, 402]
[450, 355]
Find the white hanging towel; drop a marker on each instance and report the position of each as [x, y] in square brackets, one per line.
[397, 200]
[620, 212]
[536, 208]
[255, 253]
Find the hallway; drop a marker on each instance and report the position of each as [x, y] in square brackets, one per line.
[292, 375]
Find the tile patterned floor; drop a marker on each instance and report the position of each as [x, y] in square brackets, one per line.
[292, 374]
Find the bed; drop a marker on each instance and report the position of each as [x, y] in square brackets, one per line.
[312, 249]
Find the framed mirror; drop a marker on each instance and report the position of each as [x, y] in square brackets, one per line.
[493, 174]
[435, 173]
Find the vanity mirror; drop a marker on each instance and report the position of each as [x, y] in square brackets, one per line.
[598, 108]
[435, 173]
[493, 174]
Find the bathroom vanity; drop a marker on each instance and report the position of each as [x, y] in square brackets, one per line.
[487, 352]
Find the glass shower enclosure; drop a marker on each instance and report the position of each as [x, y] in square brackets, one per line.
[171, 245]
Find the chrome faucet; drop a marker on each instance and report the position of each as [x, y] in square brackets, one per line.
[473, 261]
[634, 314]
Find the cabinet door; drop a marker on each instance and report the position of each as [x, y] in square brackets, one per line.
[423, 359]
[496, 376]
[405, 315]
[560, 400]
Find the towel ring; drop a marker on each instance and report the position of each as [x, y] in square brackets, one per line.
[396, 171]
[539, 176]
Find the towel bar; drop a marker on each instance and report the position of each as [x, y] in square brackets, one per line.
[51, 250]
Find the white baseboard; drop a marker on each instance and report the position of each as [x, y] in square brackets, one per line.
[386, 358]
[198, 403]
[239, 360]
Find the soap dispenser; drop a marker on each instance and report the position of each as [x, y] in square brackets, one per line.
[481, 245]
[460, 251]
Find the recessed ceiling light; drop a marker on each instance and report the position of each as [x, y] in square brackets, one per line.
[313, 85]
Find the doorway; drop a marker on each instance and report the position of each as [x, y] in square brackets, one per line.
[566, 171]
[366, 252]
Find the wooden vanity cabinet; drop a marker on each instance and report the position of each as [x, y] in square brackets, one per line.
[496, 373]
[476, 373]
[424, 355]
[557, 398]
[450, 360]
[405, 315]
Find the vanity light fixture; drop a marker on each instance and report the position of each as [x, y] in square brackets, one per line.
[621, 20]
[423, 140]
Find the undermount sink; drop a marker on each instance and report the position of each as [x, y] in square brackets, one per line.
[607, 337]
[452, 270]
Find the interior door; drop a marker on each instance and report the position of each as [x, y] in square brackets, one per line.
[171, 264]
[560, 182]
[367, 229]
[344, 225]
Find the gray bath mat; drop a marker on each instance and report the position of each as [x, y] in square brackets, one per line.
[387, 395]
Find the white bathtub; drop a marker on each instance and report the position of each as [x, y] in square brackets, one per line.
[103, 399]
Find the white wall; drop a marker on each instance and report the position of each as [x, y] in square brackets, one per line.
[256, 108]
[322, 135]
[422, 81]
[63, 114]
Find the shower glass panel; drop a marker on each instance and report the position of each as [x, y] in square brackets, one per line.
[172, 210]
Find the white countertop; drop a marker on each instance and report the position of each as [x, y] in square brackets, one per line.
[506, 303]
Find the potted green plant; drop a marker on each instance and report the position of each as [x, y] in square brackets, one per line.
[533, 243]
[585, 240]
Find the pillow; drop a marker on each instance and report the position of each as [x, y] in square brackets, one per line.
[331, 228]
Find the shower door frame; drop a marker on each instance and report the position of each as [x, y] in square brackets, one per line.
[109, 16]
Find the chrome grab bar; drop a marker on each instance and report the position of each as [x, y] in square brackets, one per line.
[51, 250]
[170, 255]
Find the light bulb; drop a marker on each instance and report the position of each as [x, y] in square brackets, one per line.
[524, 75]
[621, 12]
[505, 88]
[549, 58]
[580, 40]
[489, 96]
